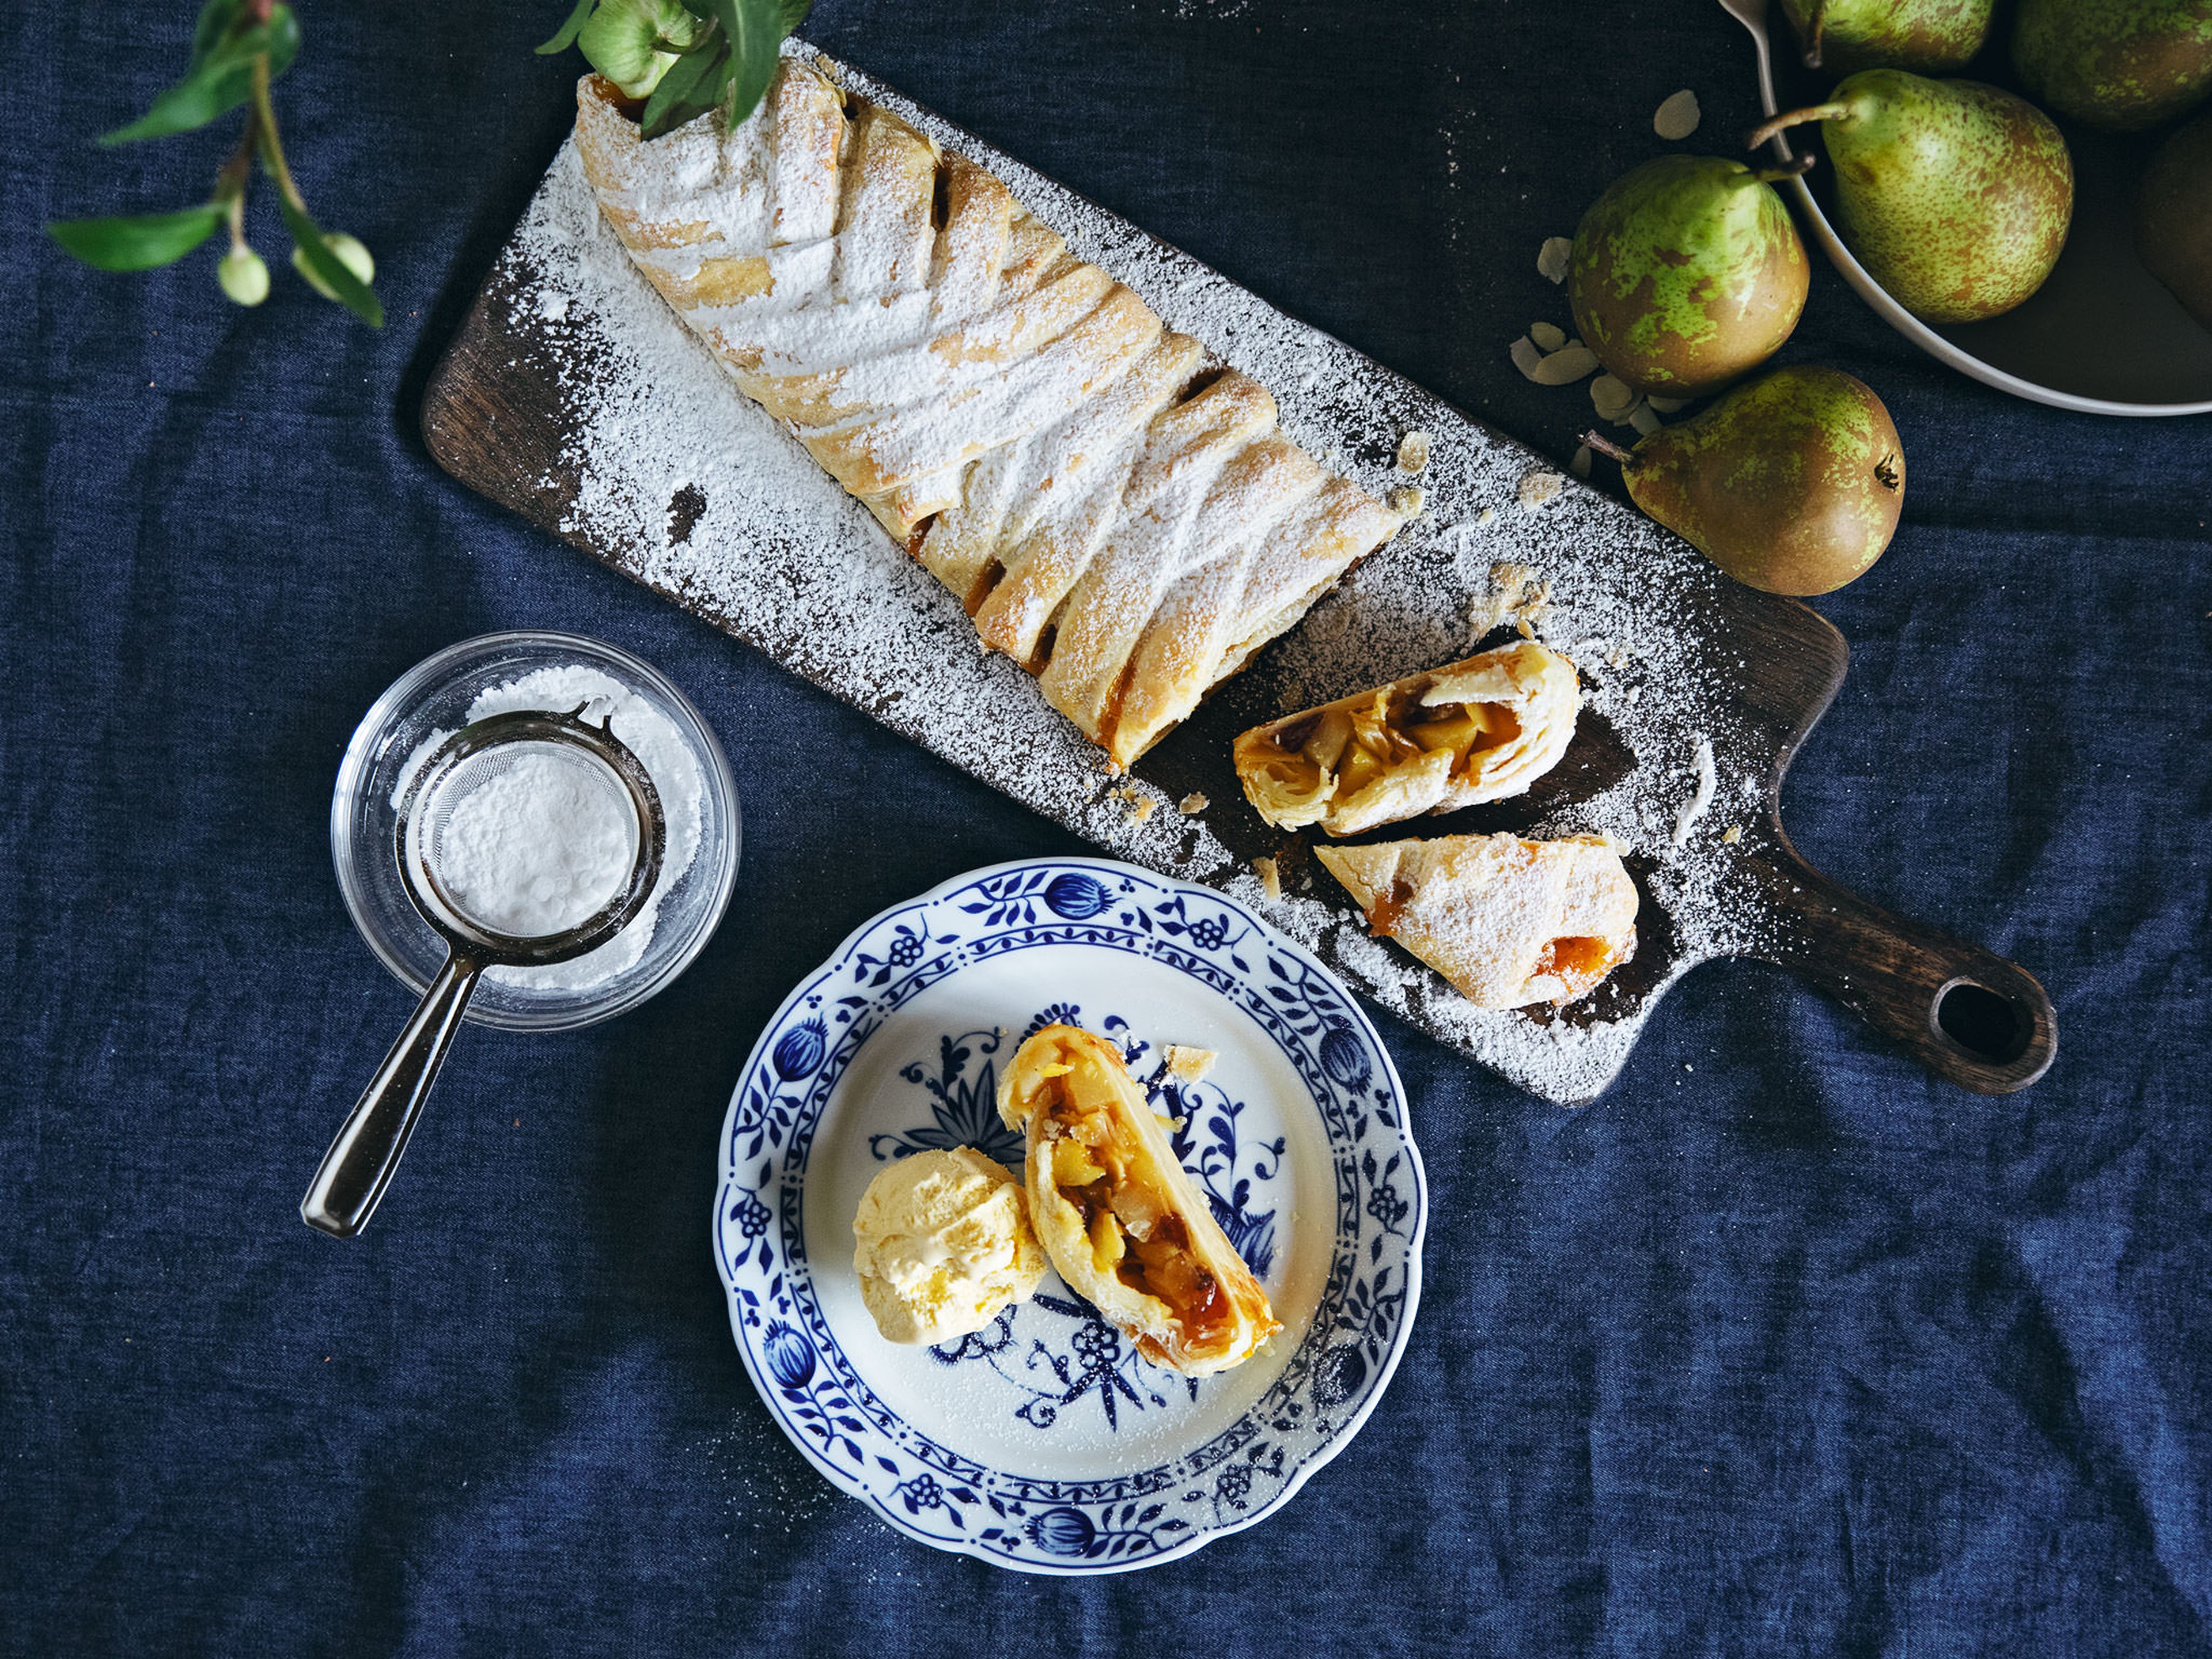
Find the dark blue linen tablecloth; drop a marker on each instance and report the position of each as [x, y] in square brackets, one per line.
[1781, 1347]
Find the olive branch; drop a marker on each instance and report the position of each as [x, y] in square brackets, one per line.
[681, 58]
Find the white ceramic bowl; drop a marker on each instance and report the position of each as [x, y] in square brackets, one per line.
[2101, 336]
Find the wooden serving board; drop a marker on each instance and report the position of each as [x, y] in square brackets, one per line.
[574, 397]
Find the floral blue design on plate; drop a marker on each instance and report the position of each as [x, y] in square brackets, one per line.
[1044, 1442]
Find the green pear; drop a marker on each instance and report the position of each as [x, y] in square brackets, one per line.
[1687, 273]
[1844, 35]
[2173, 217]
[1792, 483]
[2119, 64]
[1955, 196]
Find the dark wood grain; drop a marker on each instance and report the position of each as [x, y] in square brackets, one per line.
[495, 415]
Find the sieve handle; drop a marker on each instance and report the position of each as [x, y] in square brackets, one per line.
[362, 1160]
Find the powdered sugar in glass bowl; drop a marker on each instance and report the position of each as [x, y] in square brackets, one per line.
[552, 672]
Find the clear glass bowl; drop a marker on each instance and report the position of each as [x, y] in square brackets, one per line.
[435, 695]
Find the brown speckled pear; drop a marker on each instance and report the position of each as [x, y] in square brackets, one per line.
[1687, 273]
[2173, 217]
[1954, 195]
[1928, 35]
[1792, 483]
[2123, 65]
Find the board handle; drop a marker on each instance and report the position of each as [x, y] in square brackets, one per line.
[1964, 1013]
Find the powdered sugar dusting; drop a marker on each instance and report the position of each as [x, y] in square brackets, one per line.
[682, 481]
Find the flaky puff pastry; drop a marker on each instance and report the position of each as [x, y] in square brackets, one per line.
[1475, 731]
[1507, 921]
[1117, 511]
[1116, 1213]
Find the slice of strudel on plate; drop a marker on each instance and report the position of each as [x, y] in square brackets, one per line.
[1457, 736]
[1117, 1214]
[1507, 921]
[1117, 511]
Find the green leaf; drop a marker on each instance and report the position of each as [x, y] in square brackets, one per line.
[567, 37]
[676, 99]
[794, 13]
[755, 30]
[137, 243]
[352, 293]
[216, 19]
[219, 80]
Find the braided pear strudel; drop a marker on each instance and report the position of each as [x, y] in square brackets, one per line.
[1470, 731]
[1118, 1215]
[1507, 921]
[1117, 512]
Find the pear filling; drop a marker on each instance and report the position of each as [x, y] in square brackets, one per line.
[1331, 759]
[1135, 1234]
[1579, 964]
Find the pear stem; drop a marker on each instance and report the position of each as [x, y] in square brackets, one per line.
[1816, 26]
[1610, 450]
[1795, 118]
[1796, 167]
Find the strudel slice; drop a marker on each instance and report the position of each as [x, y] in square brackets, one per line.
[1474, 731]
[1117, 511]
[1507, 921]
[1117, 1214]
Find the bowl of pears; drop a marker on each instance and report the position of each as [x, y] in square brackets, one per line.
[2023, 188]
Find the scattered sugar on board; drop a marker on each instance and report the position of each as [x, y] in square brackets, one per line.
[781, 555]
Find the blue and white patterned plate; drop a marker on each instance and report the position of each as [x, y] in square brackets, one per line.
[1043, 1442]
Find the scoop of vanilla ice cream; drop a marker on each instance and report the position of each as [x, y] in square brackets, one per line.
[942, 1242]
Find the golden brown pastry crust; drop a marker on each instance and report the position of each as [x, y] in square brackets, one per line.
[1116, 513]
[1507, 921]
[1474, 731]
[1117, 1214]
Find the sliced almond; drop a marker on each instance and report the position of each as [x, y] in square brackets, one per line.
[1550, 336]
[1565, 366]
[1552, 258]
[1678, 117]
[1526, 358]
[1613, 398]
[1644, 421]
[1668, 405]
[1580, 465]
[1538, 488]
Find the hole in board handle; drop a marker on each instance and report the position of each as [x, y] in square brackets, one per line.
[1988, 1024]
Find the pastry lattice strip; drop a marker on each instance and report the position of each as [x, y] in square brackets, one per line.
[1116, 512]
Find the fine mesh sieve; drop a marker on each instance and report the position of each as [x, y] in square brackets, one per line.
[444, 855]
[362, 1161]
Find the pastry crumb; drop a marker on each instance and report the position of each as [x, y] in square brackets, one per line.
[1414, 451]
[1192, 804]
[1733, 834]
[1488, 515]
[1271, 878]
[1140, 807]
[1189, 1065]
[1406, 500]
